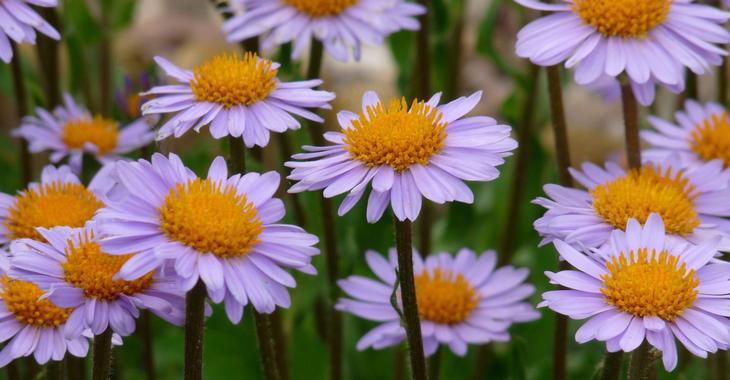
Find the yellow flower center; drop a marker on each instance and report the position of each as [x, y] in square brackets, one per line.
[649, 190]
[711, 139]
[321, 8]
[50, 205]
[22, 299]
[396, 136]
[623, 18]
[101, 132]
[231, 81]
[650, 284]
[444, 298]
[91, 270]
[212, 218]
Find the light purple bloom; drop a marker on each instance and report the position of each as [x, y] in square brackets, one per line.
[701, 133]
[19, 23]
[610, 40]
[690, 201]
[344, 27]
[462, 300]
[429, 152]
[672, 288]
[76, 273]
[223, 109]
[44, 340]
[59, 199]
[72, 131]
[221, 230]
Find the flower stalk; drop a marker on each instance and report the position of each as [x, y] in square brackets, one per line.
[21, 106]
[612, 363]
[102, 355]
[194, 329]
[640, 363]
[631, 122]
[267, 346]
[404, 246]
[331, 253]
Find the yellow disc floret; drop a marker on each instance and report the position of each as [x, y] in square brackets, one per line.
[650, 284]
[98, 131]
[230, 80]
[445, 298]
[23, 299]
[50, 205]
[211, 217]
[623, 18]
[88, 268]
[649, 190]
[711, 139]
[321, 8]
[396, 136]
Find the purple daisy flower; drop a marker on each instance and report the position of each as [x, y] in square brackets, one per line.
[72, 131]
[24, 333]
[220, 230]
[689, 201]
[340, 25]
[702, 134]
[75, 273]
[649, 41]
[59, 199]
[461, 300]
[19, 22]
[646, 285]
[240, 97]
[425, 150]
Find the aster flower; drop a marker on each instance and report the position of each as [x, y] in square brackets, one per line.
[220, 230]
[59, 199]
[646, 285]
[21, 329]
[240, 97]
[20, 22]
[76, 273]
[702, 134]
[72, 131]
[461, 299]
[340, 25]
[425, 150]
[648, 41]
[689, 201]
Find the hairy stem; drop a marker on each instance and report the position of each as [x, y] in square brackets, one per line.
[102, 355]
[631, 122]
[612, 363]
[194, 331]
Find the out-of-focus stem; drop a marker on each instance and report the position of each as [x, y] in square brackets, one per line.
[562, 149]
[456, 43]
[11, 371]
[76, 367]
[434, 365]
[48, 54]
[105, 62]
[631, 122]
[194, 330]
[55, 370]
[102, 355]
[723, 94]
[21, 107]
[145, 332]
[404, 246]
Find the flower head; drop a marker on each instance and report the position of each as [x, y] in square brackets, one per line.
[60, 199]
[20, 23]
[650, 41]
[646, 285]
[129, 98]
[339, 24]
[72, 131]
[76, 273]
[702, 134]
[686, 199]
[461, 300]
[222, 230]
[406, 152]
[236, 96]
[33, 325]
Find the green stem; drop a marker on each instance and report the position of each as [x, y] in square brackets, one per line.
[11, 370]
[102, 355]
[267, 346]
[21, 103]
[404, 246]
[194, 330]
[631, 122]
[612, 363]
[145, 332]
[48, 54]
[640, 362]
